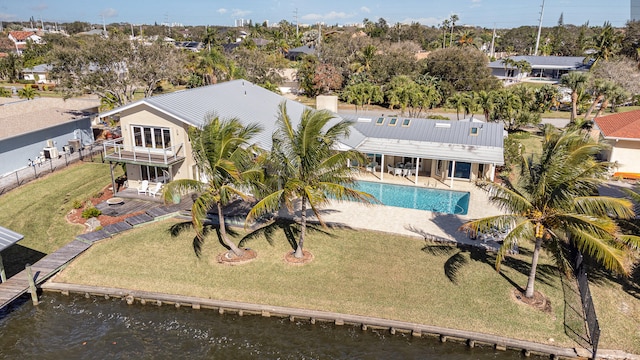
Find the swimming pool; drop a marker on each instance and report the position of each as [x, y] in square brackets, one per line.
[413, 197]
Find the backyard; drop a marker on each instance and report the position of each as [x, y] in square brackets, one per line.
[359, 272]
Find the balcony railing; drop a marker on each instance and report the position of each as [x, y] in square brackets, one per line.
[115, 150]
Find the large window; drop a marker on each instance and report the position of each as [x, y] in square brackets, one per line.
[151, 137]
[154, 174]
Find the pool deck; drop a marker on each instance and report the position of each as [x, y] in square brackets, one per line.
[417, 223]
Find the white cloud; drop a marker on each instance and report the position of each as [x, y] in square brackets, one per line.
[333, 15]
[476, 3]
[237, 13]
[365, 9]
[222, 11]
[109, 12]
[429, 21]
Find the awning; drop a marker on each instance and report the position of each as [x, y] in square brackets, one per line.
[8, 238]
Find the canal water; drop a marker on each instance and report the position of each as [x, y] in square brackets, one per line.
[73, 327]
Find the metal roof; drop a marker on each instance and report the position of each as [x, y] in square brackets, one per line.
[240, 99]
[8, 238]
[436, 139]
[547, 62]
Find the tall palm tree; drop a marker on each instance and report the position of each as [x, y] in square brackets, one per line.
[599, 88]
[457, 101]
[576, 81]
[553, 204]
[453, 18]
[608, 43]
[223, 156]
[484, 100]
[309, 168]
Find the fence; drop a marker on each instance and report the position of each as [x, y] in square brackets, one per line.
[587, 303]
[36, 170]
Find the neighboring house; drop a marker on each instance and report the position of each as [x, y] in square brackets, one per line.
[28, 127]
[622, 132]
[468, 150]
[38, 73]
[155, 144]
[297, 53]
[542, 67]
[20, 39]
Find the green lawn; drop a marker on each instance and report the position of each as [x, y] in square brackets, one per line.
[37, 211]
[356, 272]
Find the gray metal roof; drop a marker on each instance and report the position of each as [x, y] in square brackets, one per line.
[8, 238]
[435, 139]
[547, 62]
[240, 99]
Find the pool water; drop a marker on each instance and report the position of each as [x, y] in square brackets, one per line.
[413, 197]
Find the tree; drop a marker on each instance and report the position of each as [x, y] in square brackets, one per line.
[464, 68]
[576, 81]
[362, 93]
[326, 79]
[599, 88]
[608, 43]
[457, 102]
[453, 18]
[114, 66]
[484, 100]
[10, 67]
[552, 202]
[309, 168]
[223, 156]
[27, 92]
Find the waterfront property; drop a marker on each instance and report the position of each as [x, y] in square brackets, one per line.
[550, 68]
[155, 145]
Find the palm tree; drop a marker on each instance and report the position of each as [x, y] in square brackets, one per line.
[453, 18]
[553, 203]
[610, 93]
[308, 167]
[608, 43]
[457, 101]
[222, 153]
[27, 92]
[484, 100]
[576, 81]
[599, 88]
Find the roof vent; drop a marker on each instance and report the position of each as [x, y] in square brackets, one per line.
[443, 125]
[364, 120]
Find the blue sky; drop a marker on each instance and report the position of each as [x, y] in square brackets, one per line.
[487, 13]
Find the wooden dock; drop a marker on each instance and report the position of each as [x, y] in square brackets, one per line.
[18, 284]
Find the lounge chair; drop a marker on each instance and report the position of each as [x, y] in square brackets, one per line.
[144, 187]
[156, 189]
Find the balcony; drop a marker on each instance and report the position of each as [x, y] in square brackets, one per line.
[114, 150]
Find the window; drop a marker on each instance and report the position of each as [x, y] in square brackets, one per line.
[474, 131]
[380, 121]
[406, 122]
[393, 122]
[154, 174]
[151, 137]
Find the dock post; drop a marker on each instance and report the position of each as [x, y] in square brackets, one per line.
[32, 285]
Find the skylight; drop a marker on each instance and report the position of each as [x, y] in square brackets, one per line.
[393, 122]
[443, 125]
[406, 122]
[380, 121]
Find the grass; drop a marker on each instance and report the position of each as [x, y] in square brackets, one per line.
[37, 209]
[356, 272]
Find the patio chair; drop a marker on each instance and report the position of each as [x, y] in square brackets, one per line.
[372, 166]
[397, 171]
[144, 187]
[156, 189]
[390, 169]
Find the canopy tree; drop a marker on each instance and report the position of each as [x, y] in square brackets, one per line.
[308, 168]
[553, 203]
[222, 151]
[114, 67]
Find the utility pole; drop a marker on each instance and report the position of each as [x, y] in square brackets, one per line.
[535, 53]
[295, 16]
[493, 43]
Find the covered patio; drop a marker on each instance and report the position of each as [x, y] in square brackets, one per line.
[429, 152]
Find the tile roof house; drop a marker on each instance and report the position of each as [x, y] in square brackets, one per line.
[20, 39]
[622, 132]
[155, 144]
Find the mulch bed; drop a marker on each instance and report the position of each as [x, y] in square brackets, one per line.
[538, 301]
[75, 215]
[290, 258]
[228, 258]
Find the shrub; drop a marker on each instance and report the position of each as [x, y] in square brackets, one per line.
[91, 212]
[77, 204]
[98, 194]
[438, 117]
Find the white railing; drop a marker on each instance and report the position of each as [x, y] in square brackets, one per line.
[115, 150]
